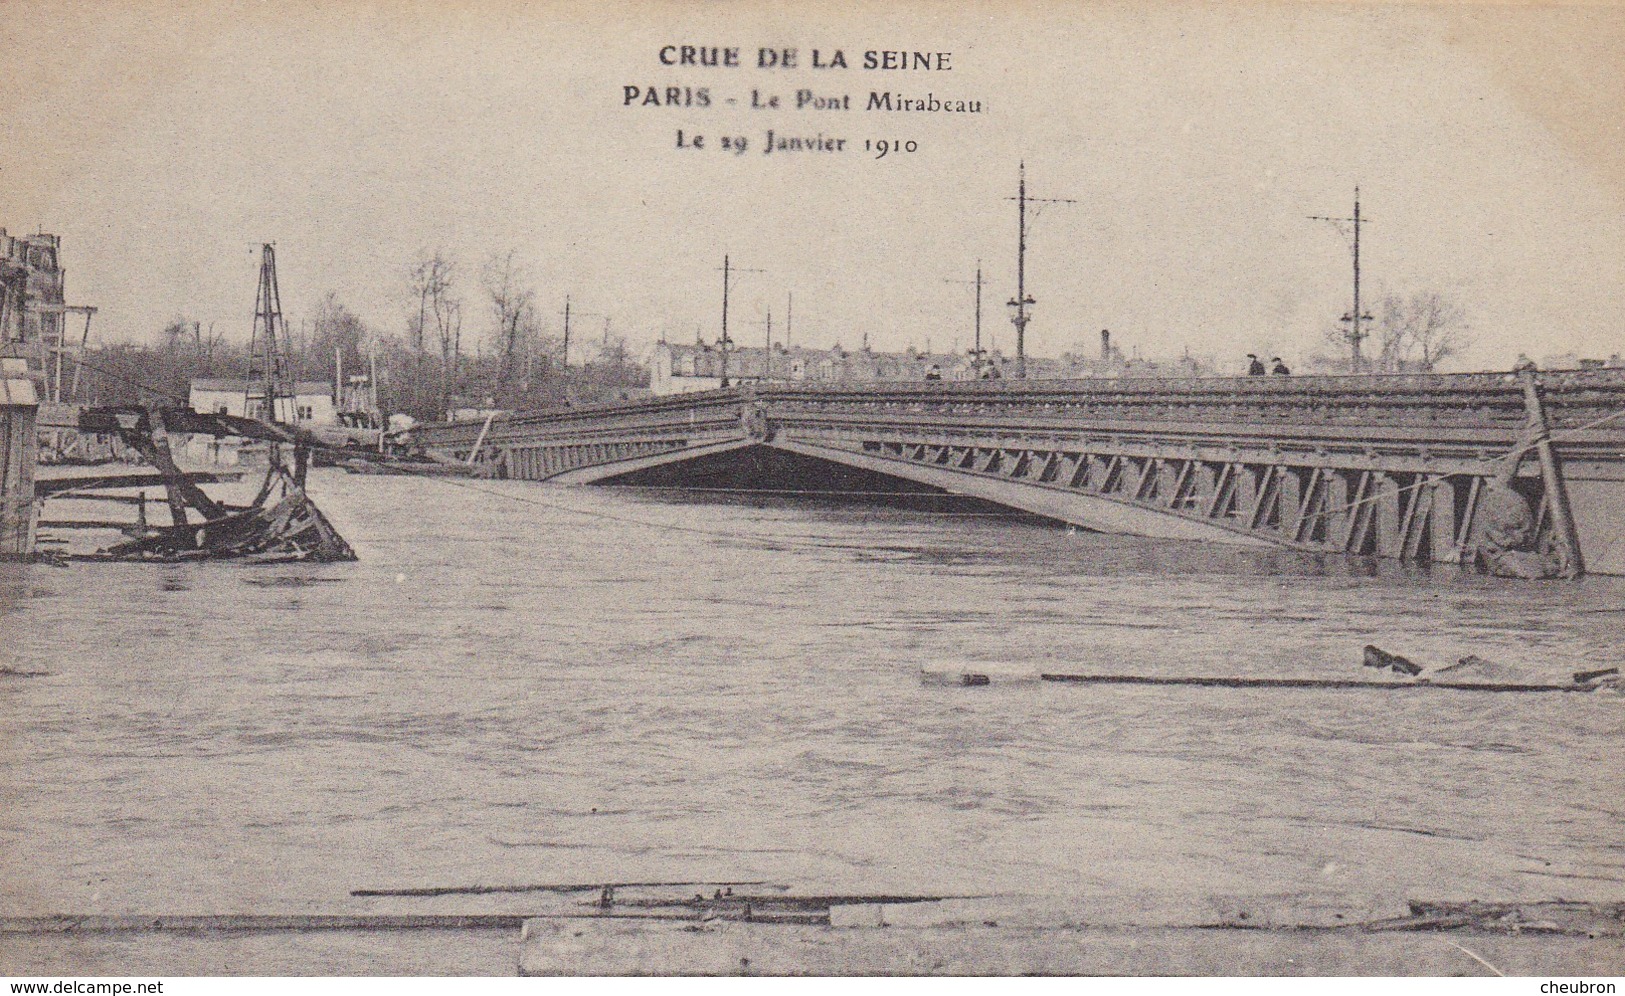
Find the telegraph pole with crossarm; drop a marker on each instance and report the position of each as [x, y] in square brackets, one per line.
[1355, 317]
[976, 364]
[578, 314]
[767, 346]
[1022, 302]
[728, 270]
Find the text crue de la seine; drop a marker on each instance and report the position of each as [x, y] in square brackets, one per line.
[779, 139]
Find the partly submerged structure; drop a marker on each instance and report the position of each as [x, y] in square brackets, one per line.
[18, 444]
[1521, 473]
[280, 524]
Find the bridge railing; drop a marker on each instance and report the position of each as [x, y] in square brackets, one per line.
[706, 410]
[1572, 398]
[1433, 383]
[1482, 401]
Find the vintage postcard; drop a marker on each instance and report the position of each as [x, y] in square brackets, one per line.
[861, 489]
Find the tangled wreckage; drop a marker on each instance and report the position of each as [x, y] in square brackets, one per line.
[280, 524]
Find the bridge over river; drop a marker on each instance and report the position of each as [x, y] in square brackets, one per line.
[1523, 472]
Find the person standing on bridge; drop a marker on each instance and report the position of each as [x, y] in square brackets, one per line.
[1255, 366]
[1279, 369]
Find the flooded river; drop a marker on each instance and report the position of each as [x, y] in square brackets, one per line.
[521, 683]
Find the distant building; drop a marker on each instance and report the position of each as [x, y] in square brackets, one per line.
[32, 311]
[687, 367]
[681, 369]
[1574, 361]
[313, 400]
[31, 286]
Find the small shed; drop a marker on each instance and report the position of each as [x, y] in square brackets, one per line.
[313, 400]
[19, 447]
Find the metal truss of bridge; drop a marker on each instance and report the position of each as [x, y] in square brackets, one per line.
[1424, 469]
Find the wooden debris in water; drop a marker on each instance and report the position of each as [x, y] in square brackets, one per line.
[974, 673]
[483, 890]
[75, 487]
[1470, 674]
[281, 524]
[1574, 919]
[1225, 682]
[252, 923]
[1597, 678]
[1382, 660]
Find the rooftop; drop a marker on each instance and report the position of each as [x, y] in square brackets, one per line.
[230, 386]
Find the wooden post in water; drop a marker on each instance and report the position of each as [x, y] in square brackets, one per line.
[474, 454]
[18, 455]
[1551, 477]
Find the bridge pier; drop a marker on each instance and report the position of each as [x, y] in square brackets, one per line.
[1387, 503]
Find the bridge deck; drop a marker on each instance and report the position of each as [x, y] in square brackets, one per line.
[1393, 466]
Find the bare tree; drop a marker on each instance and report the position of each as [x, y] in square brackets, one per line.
[1409, 333]
[514, 320]
[448, 315]
[335, 331]
[1388, 329]
[430, 282]
[431, 286]
[1424, 329]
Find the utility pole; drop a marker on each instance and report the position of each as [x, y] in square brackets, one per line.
[789, 316]
[728, 269]
[372, 394]
[767, 346]
[1355, 317]
[566, 358]
[1022, 302]
[578, 314]
[977, 352]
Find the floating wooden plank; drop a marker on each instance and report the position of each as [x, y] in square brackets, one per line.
[483, 890]
[788, 902]
[754, 908]
[84, 524]
[619, 947]
[977, 673]
[251, 923]
[1577, 919]
[53, 486]
[1335, 683]
[110, 498]
[1139, 910]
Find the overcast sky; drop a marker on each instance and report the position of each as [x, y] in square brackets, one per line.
[164, 142]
